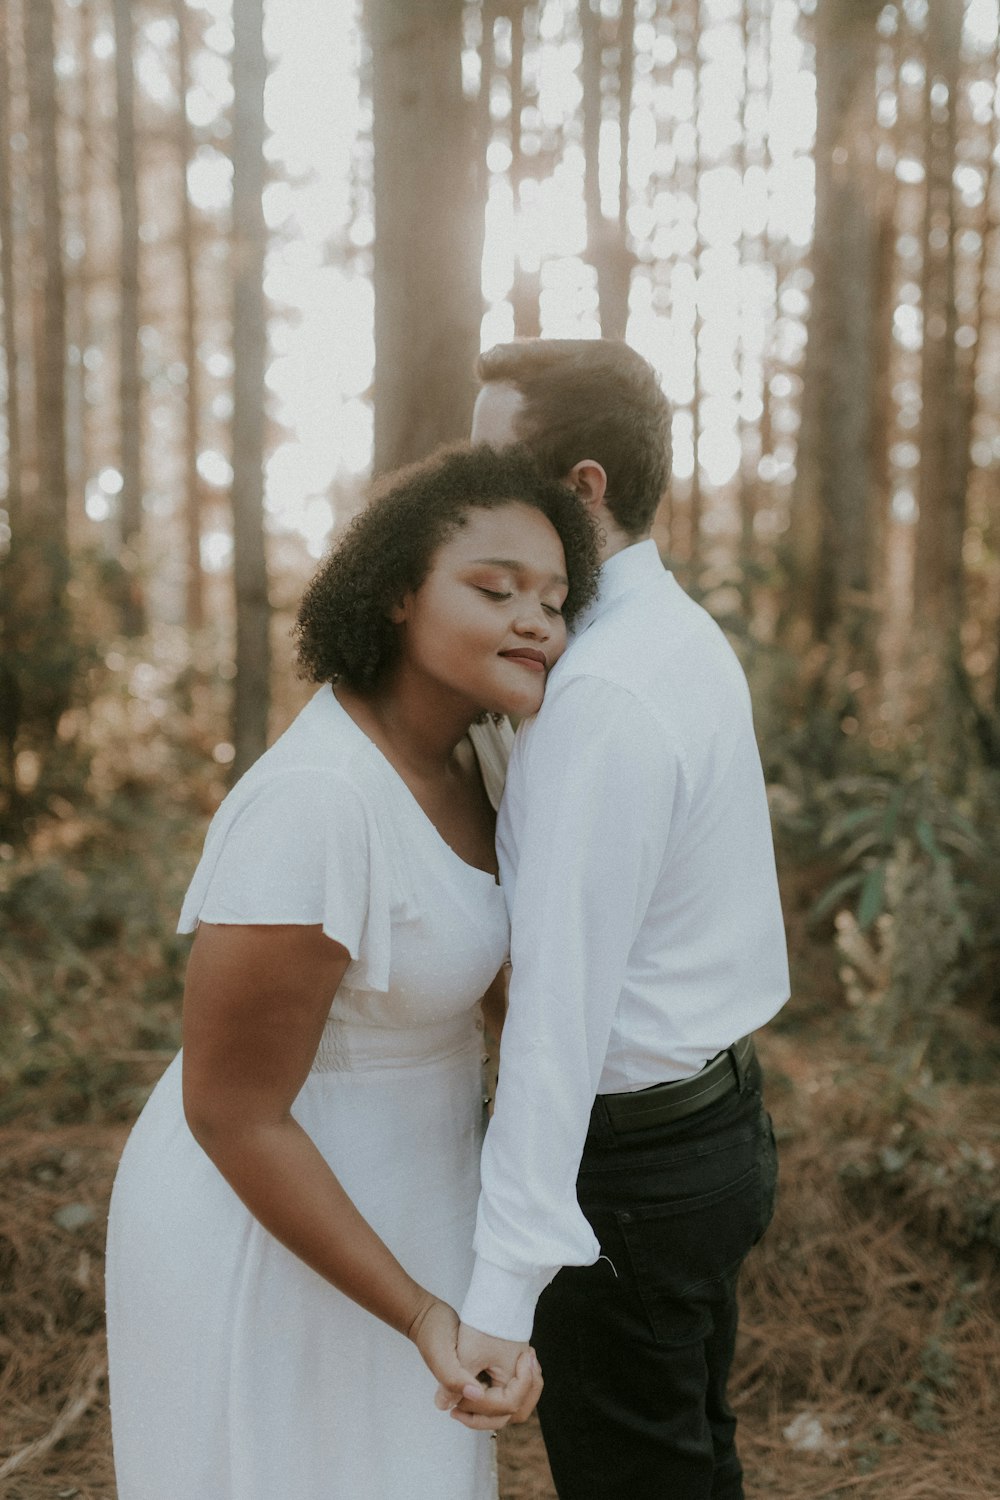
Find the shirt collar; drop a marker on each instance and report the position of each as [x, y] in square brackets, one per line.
[623, 573]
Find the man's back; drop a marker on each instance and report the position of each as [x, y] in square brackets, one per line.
[710, 944]
[636, 856]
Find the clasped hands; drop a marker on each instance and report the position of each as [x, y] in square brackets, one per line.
[460, 1357]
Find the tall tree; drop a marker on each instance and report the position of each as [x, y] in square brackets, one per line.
[428, 229]
[130, 390]
[44, 569]
[8, 290]
[194, 606]
[607, 243]
[525, 292]
[253, 615]
[841, 369]
[81, 179]
[943, 470]
[10, 694]
[696, 504]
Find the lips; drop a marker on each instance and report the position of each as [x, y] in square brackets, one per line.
[526, 657]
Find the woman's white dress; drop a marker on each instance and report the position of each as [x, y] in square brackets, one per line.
[237, 1373]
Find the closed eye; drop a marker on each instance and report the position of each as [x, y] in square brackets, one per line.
[553, 609]
[492, 593]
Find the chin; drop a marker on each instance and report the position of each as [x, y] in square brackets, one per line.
[520, 705]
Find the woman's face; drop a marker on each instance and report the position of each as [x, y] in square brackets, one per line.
[486, 622]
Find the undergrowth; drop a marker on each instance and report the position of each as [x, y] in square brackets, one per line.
[866, 1364]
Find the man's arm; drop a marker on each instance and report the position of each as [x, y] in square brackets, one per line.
[599, 784]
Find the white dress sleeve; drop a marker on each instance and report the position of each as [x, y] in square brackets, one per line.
[298, 847]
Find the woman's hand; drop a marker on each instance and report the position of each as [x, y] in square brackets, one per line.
[434, 1330]
[514, 1383]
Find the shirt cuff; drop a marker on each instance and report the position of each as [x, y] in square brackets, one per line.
[502, 1303]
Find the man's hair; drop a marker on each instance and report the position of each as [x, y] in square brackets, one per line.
[591, 398]
[343, 630]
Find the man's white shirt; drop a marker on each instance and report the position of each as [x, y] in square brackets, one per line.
[636, 856]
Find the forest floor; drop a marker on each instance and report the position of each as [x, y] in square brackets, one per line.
[867, 1358]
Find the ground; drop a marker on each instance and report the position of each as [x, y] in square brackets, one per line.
[865, 1365]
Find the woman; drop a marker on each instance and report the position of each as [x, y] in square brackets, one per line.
[301, 1191]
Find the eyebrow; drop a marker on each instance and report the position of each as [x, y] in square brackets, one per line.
[515, 567]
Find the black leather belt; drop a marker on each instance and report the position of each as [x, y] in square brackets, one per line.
[666, 1102]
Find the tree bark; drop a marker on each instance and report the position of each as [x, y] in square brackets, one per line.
[10, 694]
[696, 505]
[43, 565]
[8, 290]
[526, 290]
[606, 239]
[77, 465]
[747, 476]
[938, 579]
[50, 287]
[253, 656]
[194, 593]
[842, 366]
[429, 230]
[133, 616]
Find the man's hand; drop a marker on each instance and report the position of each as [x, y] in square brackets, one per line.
[509, 1386]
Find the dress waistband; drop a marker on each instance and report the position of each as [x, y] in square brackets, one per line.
[356, 1046]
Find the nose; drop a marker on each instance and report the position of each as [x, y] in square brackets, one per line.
[532, 621]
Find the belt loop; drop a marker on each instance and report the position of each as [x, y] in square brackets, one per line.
[738, 1056]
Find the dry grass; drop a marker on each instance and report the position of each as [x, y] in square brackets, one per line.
[868, 1352]
[867, 1361]
[54, 1434]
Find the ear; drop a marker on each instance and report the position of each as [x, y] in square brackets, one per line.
[399, 613]
[589, 481]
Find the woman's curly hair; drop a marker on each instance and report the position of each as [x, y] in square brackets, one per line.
[343, 630]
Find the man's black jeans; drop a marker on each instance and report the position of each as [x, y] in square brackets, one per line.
[636, 1349]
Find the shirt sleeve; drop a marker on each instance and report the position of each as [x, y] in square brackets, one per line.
[297, 848]
[597, 784]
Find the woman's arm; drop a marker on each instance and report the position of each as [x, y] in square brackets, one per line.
[255, 1003]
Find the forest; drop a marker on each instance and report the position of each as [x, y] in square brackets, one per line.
[249, 252]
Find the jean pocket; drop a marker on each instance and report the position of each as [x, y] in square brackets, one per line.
[685, 1254]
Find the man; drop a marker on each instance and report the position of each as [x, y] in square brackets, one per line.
[629, 1144]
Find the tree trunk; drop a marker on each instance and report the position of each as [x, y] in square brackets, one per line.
[747, 476]
[8, 290]
[194, 593]
[428, 230]
[606, 239]
[989, 255]
[43, 567]
[10, 694]
[50, 320]
[941, 524]
[527, 282]
[77, 465]
[130, 397]
[253, 656]
[697, 497]
[841, 330]
[938, 582]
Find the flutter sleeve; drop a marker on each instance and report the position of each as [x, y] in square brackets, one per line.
[299, 847]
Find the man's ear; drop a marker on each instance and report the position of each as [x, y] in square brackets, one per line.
[589, 481]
